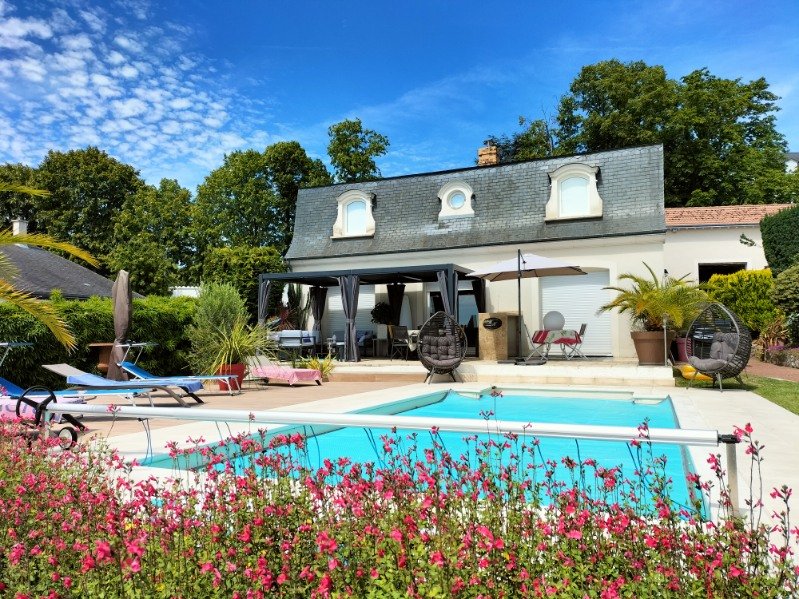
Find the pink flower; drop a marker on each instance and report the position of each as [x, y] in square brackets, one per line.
[574, 534]
[102, 550]
[396, 535]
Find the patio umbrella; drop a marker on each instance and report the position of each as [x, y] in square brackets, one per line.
[525, 266]
[122, 299]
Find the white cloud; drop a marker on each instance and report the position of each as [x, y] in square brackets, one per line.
[128, 71]
[15, 27]
[31, 69]
[128, 108]
[116, 58]
[180, 103]
[76, 42]
[128, 43]
[94, 21]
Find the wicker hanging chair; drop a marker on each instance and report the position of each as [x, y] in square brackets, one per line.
[442, 345]
[718, 344]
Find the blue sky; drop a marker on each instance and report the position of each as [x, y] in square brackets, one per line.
[170, 86]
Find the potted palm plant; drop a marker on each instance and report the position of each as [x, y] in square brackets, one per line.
[656, 305]
[222, 341]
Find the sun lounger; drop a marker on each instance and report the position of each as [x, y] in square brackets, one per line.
[139, 372]
[91, 382]
[270, 370]
[11, 407]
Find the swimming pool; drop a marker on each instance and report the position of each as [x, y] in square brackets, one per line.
[491, 405]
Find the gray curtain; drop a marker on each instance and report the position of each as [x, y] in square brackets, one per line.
[443, 289]
[350, 287]
[263, 300]
[318, 298]
[479, 289]
[396, 291]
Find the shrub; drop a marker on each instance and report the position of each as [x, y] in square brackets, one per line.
[780, 239]
[220, 331]
[786, 290]
[240, 266]
[748, 293]
[422, 525]
[161, 320]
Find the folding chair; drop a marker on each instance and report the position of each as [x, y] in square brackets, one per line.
[539, 344]
[572, 348]
[400, 342]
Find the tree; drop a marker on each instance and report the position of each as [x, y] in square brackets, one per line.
[240, 266]
[42, 311]
[719, 136]
[250, 200]
[153, 238]
[353, 149]
[88, 190]
[537, 140]
[290, 169]
[723, 146]
[17, 204]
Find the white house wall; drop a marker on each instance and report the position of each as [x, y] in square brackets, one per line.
[614, 255]
[687, 248]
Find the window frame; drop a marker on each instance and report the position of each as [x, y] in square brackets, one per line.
[565, 173]
[445, 194]
[340, 229]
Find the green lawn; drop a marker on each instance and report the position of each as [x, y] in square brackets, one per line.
[782, 393]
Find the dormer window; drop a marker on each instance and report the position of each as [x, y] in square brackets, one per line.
[354, 218]
[456, 200]
[573, 193]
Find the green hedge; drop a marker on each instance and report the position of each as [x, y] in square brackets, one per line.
[748, 293]
[780, 239]
[164, 321]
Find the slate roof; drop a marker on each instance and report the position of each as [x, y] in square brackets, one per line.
[41, 271]
[721, 216]
[509, 207]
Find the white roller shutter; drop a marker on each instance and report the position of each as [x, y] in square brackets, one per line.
[578, 298]
[334, 313]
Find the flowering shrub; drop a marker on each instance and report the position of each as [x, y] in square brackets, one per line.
[425, 525]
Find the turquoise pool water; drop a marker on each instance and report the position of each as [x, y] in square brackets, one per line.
[365, 445]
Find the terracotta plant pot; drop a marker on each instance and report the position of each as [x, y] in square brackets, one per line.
[237, 369]
[650, 346]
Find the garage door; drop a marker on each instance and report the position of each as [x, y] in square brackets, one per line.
[578, 299]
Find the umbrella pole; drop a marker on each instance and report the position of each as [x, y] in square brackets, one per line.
[519, 304]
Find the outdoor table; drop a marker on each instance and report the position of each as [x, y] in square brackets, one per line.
[544, 339]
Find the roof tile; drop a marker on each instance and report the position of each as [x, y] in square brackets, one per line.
[715, 216]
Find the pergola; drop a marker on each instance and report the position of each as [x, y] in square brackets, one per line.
[349, 282]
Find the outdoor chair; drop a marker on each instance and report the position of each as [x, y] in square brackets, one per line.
[400, 342]
[140, 373]
[264, 369]
[571, 348]
[442, 345]
[79, 379]
[720, 344]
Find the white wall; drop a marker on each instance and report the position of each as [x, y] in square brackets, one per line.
[685, 249]
[614, 255]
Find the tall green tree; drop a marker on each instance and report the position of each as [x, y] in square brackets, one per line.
[719, 135]
[88, 189]
[251, 199]
[353, 149]
[153, 235]
[17, 204]
[723, 146]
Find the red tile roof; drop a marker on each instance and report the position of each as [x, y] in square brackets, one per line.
[721, 216]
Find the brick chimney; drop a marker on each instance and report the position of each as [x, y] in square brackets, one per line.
[487, 155]
[19, 226]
